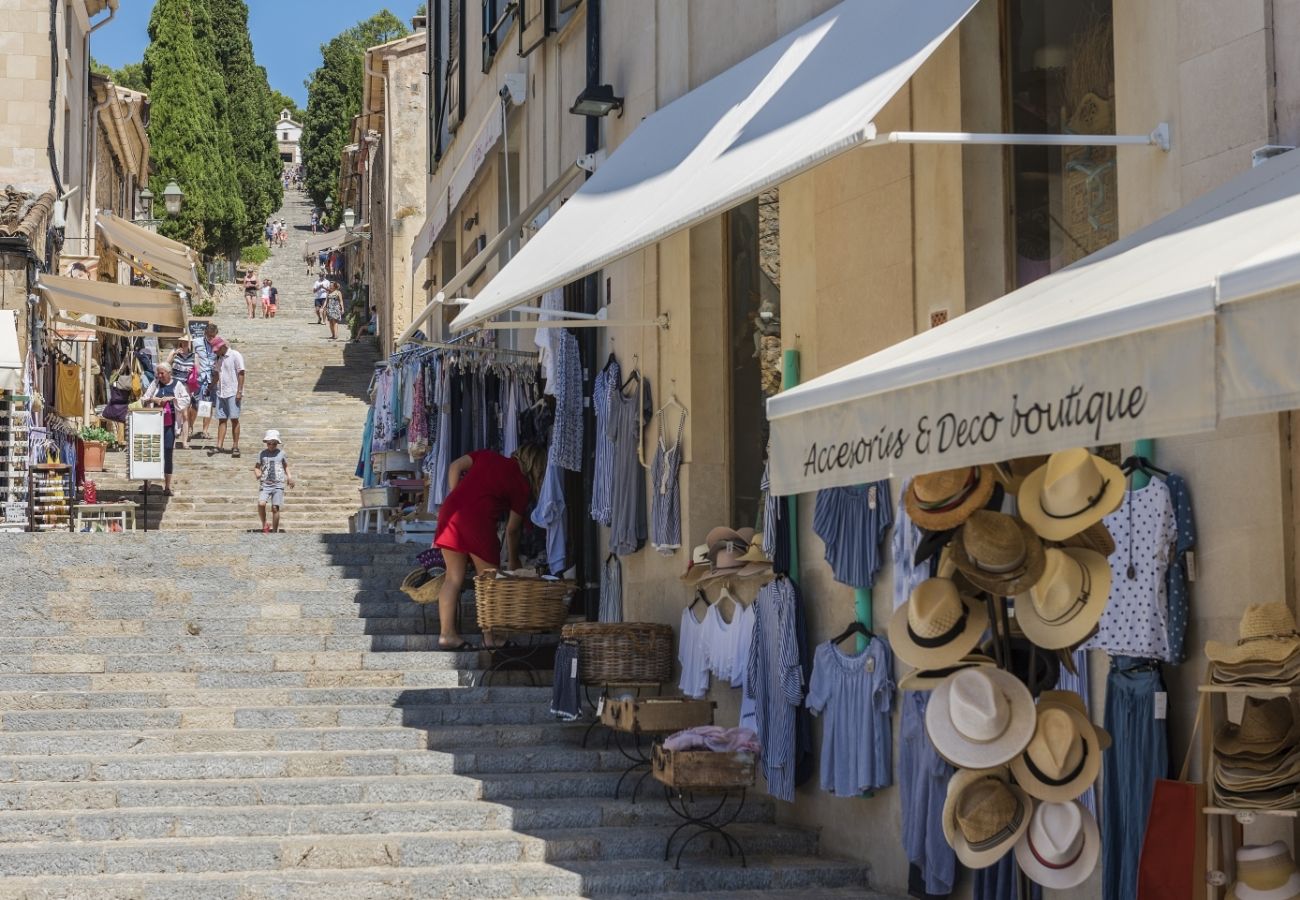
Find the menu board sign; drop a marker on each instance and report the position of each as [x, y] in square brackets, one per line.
[144, 445]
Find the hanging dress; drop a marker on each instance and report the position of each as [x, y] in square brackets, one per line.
[665, 496]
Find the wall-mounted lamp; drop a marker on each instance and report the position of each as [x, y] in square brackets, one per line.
[349, 218]
[471, 223]
[173, 197]
[597, 101]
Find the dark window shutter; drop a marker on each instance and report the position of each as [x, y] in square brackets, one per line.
[566, 5]
[455, 63]
[535, 23]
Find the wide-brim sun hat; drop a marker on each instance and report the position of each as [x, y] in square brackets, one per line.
[272, 435]
[937, 626]
[929, 679]
[1074, 490]
[998, 553]
[1268, 727]
[939, 501]
[1061, 846]
[1011, 473]
[1267, 633]
[979, 718]
[1065, 605]
[1064, 755]
[984, 814]
[1095, 537]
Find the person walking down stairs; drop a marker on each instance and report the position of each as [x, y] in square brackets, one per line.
[273, 476]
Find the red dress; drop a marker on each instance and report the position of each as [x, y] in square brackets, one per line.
[488, 489]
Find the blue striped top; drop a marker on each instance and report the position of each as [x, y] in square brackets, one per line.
[852, 522]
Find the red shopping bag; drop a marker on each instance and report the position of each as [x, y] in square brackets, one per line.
[1172, 864]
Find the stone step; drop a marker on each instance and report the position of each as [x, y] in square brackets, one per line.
[640, 878]
[112, 645]
[125, 766]
[415, 620]
[277, 698]
[531, 719]
[133, 739]
[192, 661]
[24, 611]
[148, 681]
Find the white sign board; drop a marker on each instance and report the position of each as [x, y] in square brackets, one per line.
[144, 446]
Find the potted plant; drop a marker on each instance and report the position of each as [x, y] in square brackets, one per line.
[96, 440]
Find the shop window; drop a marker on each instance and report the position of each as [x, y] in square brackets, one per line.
[1060, 80]
[753, 345]
[498, 15]
[454, 84]
[536, 21]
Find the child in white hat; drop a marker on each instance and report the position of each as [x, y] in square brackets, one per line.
[272, 471]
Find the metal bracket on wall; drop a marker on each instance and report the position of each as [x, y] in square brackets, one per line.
[1159, 137]
[576, 320]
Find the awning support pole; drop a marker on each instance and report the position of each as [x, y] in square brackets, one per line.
[1143, 447]
[789, 379]
[1159, 137]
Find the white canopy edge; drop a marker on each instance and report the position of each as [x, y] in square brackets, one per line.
[114, 301]
[1199, 312]
[327, 241]
[807, 97]
[516, 226]
[169, 260]
[11, 362]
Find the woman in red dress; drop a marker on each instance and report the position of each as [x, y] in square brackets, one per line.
[484, 486]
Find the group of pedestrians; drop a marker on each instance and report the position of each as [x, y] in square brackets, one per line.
[266, 291]
[276, 232]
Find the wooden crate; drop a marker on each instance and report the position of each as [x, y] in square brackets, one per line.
[703, 770]
[659, 715]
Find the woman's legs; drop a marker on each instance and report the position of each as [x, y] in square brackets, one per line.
[334, 329]
[449, 597]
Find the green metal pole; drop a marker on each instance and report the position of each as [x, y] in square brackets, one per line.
[790, 378]
[1144, 447]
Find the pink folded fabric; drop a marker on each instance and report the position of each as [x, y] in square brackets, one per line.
[714, 738]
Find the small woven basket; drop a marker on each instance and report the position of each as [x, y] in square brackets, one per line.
[533, 605]
[623, 652]
[421, 587]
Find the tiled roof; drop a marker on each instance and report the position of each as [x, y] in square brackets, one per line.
[24, 214]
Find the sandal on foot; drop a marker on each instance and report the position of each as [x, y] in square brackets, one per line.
[235, 453]
[462, 647]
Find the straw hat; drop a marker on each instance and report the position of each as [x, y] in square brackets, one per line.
[727, 545]
[936, 626]
[1267, 727]
[1012, 473]
[929, 679]
[978, 718]
[1074, 490]
[698, 568]
[998, 553]
[1064, 755]
[1061, 846]
[1095, 537]
[1066, 604]
[983, 816]
[1265, 872]
[755, 560]
[1267, 633]
[942, 500]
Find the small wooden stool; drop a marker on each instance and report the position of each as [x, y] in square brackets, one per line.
[373, 519]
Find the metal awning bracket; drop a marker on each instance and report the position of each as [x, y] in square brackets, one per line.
[1160, 137]
[596, 320]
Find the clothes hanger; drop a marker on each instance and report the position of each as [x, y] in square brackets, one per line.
[855, 627]
[699, 596]
[1135, 463]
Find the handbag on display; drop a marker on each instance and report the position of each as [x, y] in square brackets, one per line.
[1172, 863]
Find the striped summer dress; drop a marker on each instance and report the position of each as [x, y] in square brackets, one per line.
[665, 492]
[852, 522]
[603, 476]
[611, 590]
[776, 682]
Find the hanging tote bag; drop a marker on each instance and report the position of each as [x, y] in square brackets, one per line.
[1172, 863]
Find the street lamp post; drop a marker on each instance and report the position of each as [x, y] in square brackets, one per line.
[173, 199]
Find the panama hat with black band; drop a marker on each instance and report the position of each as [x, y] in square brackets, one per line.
[1074, 490]
[1066, 604]
[1064, 756]
[937, 626]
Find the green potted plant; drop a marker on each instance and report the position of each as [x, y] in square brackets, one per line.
[96, 440]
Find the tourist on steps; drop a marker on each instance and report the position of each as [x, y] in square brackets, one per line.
[272, 471]
[334, 309]
[484, 486]
[250, 293]
[228, 375]
[319, 291]
[165, 393]
[207, 359]
[185, 370]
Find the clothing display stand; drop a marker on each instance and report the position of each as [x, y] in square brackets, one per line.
[50, 496]
[598, 705]
[626, 721]
[14, 509]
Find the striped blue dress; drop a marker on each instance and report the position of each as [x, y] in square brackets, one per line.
[776, 683]
[852, 522]
[602, 487]
[665, 492]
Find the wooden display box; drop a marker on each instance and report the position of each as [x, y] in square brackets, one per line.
[702, 769]
[658, 715]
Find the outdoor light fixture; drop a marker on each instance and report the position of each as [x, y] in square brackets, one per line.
[349, 218]
[172, 198]
[329, 204]
[597, 101]
[146, 203]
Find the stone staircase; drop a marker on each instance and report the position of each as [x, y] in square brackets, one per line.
[310, 388]
[219, 715]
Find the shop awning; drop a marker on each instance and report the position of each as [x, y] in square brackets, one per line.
[328, 241]
[11, 363]
[805, 98]
[1192, 319]
[434, 222]
[173, 261]
[114, 301]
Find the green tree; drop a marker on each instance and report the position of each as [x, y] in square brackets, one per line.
[281, 100]
[191, 143]
[130, 76]
[334, 98]
[251, 116]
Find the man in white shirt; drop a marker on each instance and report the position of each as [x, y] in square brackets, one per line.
[228, 372]
[320, 290]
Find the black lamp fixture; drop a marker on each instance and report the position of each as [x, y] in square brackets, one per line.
[597, 102]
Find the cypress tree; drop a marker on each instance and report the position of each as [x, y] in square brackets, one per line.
[187, 129]
[250, 116]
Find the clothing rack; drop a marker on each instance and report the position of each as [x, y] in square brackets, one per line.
[476, 348]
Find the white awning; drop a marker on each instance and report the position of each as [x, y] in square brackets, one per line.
[11, 363]
[114, 301]
[434, 222]
[327, 241]
[805, 98]
[170, 260]
[1192, 319]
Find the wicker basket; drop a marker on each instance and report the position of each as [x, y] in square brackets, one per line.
[420, 587]
[623, 652]
[533, 605]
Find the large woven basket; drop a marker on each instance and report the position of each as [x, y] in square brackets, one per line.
[422, 587]
[533, 605]
[623, 653]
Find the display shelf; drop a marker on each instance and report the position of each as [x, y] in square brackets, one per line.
[1250, 689]
[1250, 813]
[15, 513]
[51, 494]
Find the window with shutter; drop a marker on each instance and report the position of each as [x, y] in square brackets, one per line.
[455, 87]
[566, 5]
[498, 15]
[536, 21]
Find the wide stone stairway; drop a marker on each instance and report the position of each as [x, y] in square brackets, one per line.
[225, 715]
[298, 381]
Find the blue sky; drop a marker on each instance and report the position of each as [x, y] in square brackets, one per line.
[287, 34]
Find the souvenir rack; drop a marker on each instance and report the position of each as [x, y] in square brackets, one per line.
[14, 510]
[51, 494]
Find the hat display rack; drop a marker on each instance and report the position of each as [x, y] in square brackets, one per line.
[1024, 752]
